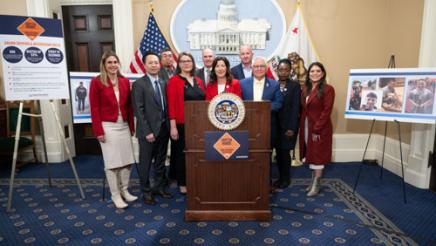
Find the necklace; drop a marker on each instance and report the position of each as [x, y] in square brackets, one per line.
[114, 82]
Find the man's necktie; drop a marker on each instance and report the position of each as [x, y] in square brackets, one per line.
[159, 96]
[207, 76]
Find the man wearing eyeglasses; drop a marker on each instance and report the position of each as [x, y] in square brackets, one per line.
[168, 65]
[261, 88]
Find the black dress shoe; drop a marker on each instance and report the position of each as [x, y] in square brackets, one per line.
[163, 194]
[149, 199]
[284, 184]
[277, 183]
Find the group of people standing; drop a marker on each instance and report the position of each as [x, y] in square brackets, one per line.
[157, 101]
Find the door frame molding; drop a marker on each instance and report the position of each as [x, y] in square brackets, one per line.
[123, 32]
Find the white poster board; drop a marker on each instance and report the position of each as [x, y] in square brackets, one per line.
[402, 94]
[33, 58]
[79, 88]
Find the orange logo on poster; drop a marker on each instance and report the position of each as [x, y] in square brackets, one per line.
[31, 29]
[226, 145]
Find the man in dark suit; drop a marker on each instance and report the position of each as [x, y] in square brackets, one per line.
[243, 70]
[168, 65]
[152, 127]
[288, 119]
[204, 73]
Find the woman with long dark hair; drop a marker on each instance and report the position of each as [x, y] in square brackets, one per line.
[221, 80]
[316, 130]
[112, 124]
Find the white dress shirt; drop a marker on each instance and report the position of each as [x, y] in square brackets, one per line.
[248, 71]
[258, 89]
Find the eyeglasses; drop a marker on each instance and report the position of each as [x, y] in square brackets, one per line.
[259, 67]
[185, 61]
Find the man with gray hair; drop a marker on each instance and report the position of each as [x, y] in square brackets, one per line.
[261, 88]
[204, 73]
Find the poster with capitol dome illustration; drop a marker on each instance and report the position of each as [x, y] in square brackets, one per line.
[225, 25]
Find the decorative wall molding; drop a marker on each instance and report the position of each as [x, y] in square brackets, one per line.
[86, 2]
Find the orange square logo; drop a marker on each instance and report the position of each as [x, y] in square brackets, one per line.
[226, 145]
[31, 29]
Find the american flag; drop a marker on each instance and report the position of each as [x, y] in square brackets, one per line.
[153, 40]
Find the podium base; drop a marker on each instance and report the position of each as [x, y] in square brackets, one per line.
[230, 215]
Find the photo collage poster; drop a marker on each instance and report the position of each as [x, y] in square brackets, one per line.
[405, 95]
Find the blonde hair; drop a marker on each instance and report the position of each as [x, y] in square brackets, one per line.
[103, 72]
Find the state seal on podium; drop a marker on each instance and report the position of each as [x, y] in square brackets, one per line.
[226, 111]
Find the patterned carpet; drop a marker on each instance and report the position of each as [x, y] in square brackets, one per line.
[374, 215]
[57, 215]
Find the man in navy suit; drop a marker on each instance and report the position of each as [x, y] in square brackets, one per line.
[243, 70]
[261, 88]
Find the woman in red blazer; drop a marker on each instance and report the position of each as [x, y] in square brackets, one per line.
[183, 86]
[316, 130]
[112, 124]
[221, 79]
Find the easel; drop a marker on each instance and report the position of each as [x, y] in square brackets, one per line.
[391, 65]
[17, 137]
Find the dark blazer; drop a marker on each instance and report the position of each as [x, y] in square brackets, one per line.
[232, 87]
[104, 105]
[289, 114]
[164, 75]
[271, 92]
[238, 72]
[318, 112]
[147, 107]
[200, 73]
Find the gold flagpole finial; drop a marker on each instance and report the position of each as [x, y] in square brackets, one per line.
[150, 5]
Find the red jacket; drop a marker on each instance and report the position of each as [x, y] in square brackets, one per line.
[176, 98]
[232, 87]
[104, 106]
[317, 111]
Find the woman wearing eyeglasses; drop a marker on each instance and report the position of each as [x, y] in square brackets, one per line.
[183, 86]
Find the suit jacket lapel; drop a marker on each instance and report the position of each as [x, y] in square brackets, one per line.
[312, 95]
[241, 71]
[266, 86]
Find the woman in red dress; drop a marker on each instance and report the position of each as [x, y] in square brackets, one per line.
[221, 80]
[316, 130]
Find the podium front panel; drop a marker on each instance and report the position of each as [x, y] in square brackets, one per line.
[228, 189]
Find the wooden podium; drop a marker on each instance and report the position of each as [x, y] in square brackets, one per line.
[230, 189]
